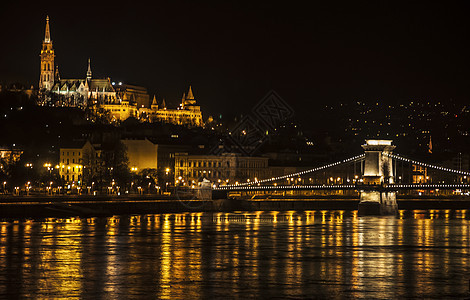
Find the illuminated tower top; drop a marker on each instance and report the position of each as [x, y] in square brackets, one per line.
[46, 79]
[47, 36]
[154, 103]
[189, 99]
[88, 73]
[190, 94]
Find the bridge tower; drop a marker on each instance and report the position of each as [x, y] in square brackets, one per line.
[378, 167]
[378, 171]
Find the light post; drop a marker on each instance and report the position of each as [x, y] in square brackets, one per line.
[167, 172]
[4, 185]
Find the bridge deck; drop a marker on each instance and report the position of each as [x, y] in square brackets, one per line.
[359, 187]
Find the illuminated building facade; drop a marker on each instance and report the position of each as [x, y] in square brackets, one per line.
[142, 154]
[228, 167]
[121, 110]
[188, 113]
[420, 174]
[72, 158]
[148, 154]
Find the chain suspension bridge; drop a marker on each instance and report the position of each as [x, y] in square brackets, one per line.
[377, 175]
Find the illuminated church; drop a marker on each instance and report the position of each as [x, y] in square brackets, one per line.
[69, 92]
[121, 101]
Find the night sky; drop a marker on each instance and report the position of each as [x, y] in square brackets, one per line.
[234, 53]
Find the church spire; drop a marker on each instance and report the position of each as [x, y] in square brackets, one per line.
[46, 79]
[47, 36]
[154, 103]
[88, 73]
[190, 94]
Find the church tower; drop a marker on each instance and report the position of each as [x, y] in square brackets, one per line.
[46, 79]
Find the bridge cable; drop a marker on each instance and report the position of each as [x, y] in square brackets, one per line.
[352, 159]
[427, 165]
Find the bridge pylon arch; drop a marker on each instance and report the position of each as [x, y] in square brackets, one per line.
[378, 171]
[378, 164]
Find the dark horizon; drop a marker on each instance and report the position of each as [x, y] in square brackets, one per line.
[233, 54]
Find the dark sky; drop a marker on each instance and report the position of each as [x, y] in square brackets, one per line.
[233, 53]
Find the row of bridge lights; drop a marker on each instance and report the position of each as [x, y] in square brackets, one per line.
[290, 176]
[275, 186]
[436, 186]
[428, 165]
[272, 187]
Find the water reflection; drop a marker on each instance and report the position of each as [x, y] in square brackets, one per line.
[312, 254]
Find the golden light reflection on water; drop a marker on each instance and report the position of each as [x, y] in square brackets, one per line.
[165, 264]
[312, 254]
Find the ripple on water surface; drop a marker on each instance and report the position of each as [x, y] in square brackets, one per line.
[312, 254]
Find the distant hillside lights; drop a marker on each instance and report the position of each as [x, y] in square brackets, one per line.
[104, 97]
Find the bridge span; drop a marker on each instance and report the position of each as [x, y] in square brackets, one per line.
[377, 183]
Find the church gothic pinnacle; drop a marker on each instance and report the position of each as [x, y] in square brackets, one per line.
[88, 72]
[46, 78]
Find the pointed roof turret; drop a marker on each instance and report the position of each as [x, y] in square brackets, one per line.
[190, 94]
[154, 104]
[163, 103]
[88, 73]
[47, 36]
[57, 75]
[189, 99]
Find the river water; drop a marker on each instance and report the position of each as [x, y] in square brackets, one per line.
[313, 254]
